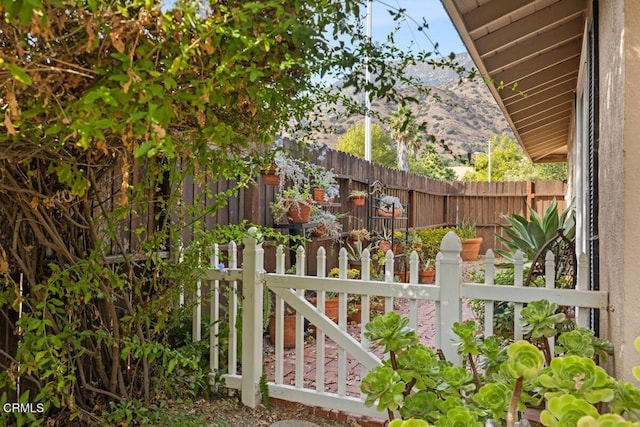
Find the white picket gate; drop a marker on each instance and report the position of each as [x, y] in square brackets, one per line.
[448, 292]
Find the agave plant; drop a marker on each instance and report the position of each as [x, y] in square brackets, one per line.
[530, 235]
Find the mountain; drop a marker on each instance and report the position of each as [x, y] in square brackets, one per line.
[463, 114]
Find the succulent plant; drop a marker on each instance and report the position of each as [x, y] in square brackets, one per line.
[422, 404]
[384, 386]
[606, 420]
[524, 360]
[411, 422]
[578, 376]
[460, 416]
[391, 332]
[494, 397]
[566, 411]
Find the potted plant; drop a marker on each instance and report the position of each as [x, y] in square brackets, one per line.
[470, 241]
[353, 305]
[288, 327]
[359, 235]
[294, 203]
[427, 271]
[383, 239]
[358, 197]
[390, 206]
[322, 179]
[327, 226]
[289, 170]
[354, 253]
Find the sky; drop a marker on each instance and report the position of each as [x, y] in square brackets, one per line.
[440, 31]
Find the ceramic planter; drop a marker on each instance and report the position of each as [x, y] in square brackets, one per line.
[428, 275]
[289, 330]
[299, 213]
[358, 201]
[471, 249]
[318, 195]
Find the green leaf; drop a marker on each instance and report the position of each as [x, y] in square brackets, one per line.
[18, 73]
[144, 148]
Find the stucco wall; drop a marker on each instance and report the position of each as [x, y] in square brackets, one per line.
[619, 163]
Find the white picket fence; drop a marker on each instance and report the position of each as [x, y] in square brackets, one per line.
[448, 292]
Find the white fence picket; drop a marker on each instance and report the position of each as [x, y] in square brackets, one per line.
[320, 301]
[489, 276]
[214, 316]
[518, 281]
[550, 283]
[232, 254]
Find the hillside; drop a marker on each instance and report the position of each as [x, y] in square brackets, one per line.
[464, 114]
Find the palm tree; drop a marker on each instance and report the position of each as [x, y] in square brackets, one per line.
[404, 131]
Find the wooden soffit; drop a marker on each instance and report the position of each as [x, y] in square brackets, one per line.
[529, 51]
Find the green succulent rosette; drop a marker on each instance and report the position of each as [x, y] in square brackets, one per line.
[423, 405]
[459, 416]
[565, 411]
[540, 318]
[524, 360]
[411, 422]
[391, 332]
[578, 376]
[420, 363]
[606, 420]
[494, 397]
[384, 386]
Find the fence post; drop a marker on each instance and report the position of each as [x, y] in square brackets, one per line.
[252, 292]
[450, 268]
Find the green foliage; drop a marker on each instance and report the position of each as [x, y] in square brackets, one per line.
[529, 236]
[566, 411]
[384, 386]
[606, 420]
[495, 397]
[431, 239]
[582, 342]
[411, 422]
[404, 131]
[508, 163]
[540, 317]
[390, 332]
[578, 376]
[524, 360]
[420, 386]
[431, 165]
[382, 151]
[626, 400]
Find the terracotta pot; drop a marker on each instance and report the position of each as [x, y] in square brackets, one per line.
[318, 195]
[269, 176]
[427, 276]
[356, 315]
[289, 325]
[320, 232]
[330, 307]
[471, 249]
[299, 213]
[388, 213]
[358, 201]
[403, 276]
[385, 245]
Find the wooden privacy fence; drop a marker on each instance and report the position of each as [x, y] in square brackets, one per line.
[447, 294]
